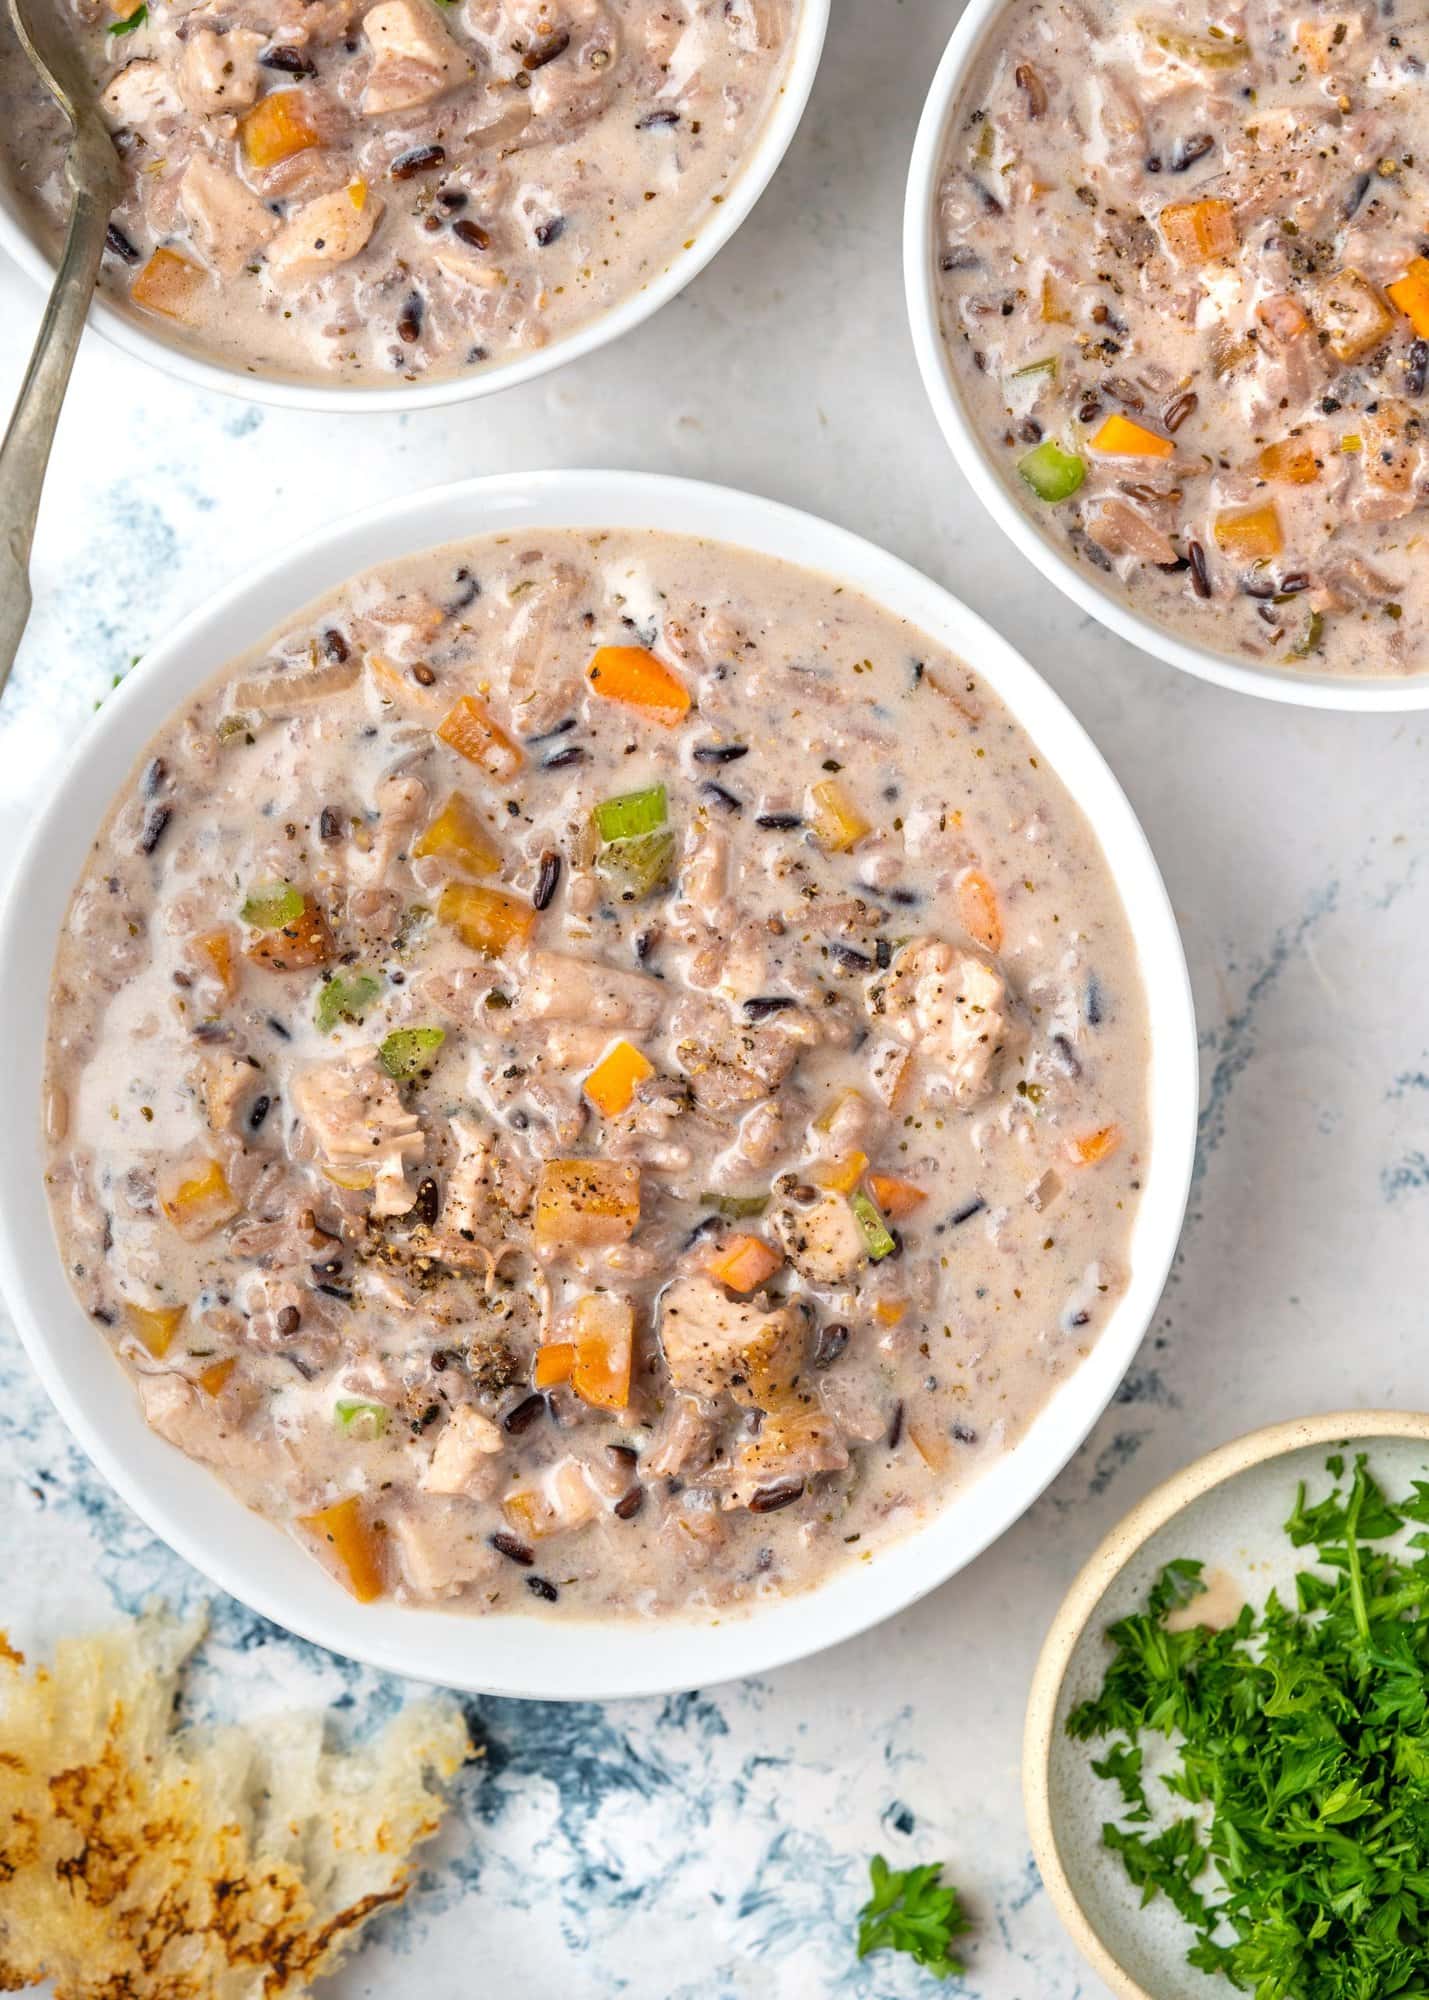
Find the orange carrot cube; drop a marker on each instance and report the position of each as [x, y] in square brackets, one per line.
[485, 919]
[1091, 1148]
[979, 909]
[278, 126]
[472, 734]
[1292, 462]
[213, 1379]
[155, 1326]
[1253, 533]
[554, 1363]
[1411, 294]
[171, 285]
[458, 835]
[744, 1263]
[612, 1084]
[896, 1198]
[347, 1534]
[195, 1196]
[630, 674]
[587, 1201]
[1119, 437]
[1199, 232]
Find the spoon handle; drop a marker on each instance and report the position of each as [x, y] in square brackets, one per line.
[25, 452]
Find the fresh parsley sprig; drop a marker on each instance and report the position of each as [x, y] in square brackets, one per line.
[1301, 1741]
[912, 1910]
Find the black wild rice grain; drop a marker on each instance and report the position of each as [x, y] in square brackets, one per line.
[547, 880]
[524, 1415]
[514, 1551]
[261, 1107]
[417, 160]
[770, 1498]
[539, 1587]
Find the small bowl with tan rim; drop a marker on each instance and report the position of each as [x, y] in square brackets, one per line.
[1228, 1511]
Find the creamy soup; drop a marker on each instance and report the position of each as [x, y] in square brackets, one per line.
[1184, 284]
[596, 1070]
[412, 188]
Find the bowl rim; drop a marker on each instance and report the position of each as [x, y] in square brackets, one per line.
[1370, 695]
[774, 137]
[516, 1653]
[1079, 1607]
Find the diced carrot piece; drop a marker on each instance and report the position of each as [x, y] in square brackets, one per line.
[458, 835]
[842, 1175]
[896, 1197]
[529, 1513]
[612, 1084]
[171, 285]
[744, 1263]
[155, 1326]
[304, 942]
[979, 909]
[484, 919]
[1091, 1148]
[629, 673]
[472, 734]
[888, 1312]
[837, 822]
[931, 1445]
[1252, 534]
[343, 1528]
[195, 1196]
[216, 948]
[1289, 463]
[1351, 314]
[587, 1201]
[1411, 294]
[213, 1379]
[554, 1363]
[1119, 437]
[1053, 310]
[357, 194]
[1199, 232]
[604, 1329]
[278, 126]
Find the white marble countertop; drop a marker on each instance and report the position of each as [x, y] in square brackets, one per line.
[714, 1845]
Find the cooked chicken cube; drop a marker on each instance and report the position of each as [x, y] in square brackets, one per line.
[330, 230]
[140, 97]
[220, 72]
[715, 1344]
[466, 1445]
[731, 1062]
[1351, 314]
[229, 1084]
[440, 1547]
[951, 1007]
[824, 1242]
[361, 1125]
[228, 221]
[414, 59]
[561, 988]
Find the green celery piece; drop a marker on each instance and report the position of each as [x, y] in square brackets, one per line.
[1209, 53]
[344, 998]
[734, 1207]
[876, 1234]
[406, 1050]
[1310, 638]
[637, 868]
[1046, 366]
[359, 1419]
[1053, 474]
[631, 814]
[135, 20]
[271, 905]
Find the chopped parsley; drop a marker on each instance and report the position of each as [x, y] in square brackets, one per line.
[911, 1910]
[127, 27]
[1300, 1739]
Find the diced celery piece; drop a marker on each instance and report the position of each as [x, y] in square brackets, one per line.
[631, 814]
[358, 1419]
[345, 998]
[407, 1050]
[734, 1207]
[636, 868]
[877, 1237]
[1053, 474]
[1046, 366]
[271, 905]
[1310, 638]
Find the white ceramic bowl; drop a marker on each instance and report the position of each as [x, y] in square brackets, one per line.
[185, 1503]
[145, 338]
[975, 31]
[1226, 1510]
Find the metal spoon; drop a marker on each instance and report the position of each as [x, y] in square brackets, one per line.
[96, 180]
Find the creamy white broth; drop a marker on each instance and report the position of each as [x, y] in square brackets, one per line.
[374, 192]
[551, 1329]
[1210, 225]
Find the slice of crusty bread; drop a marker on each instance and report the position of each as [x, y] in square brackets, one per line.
[140, 1861]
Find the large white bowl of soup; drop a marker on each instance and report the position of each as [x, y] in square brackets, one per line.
[361, 204]
[602, 1105]
[1169, 290]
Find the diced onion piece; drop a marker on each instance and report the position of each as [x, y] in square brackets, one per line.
[612, 1084]
[458, 836]
[155, 1326]
[1119, 437]
[470, 731]
[842, 1175]
[896, 1198]
[277, 126]
[979, 909]
[630, 674]
[744, 1263]
[484, 919]
[587, 1201]
[1253, 533]
[1089, 1149]
[837, 822]
[345, 1531]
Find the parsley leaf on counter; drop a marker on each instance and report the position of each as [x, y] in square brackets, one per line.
[910, 1910]
[1300, 1738]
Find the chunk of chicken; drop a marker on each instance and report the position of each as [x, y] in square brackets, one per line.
[730, 1063]
[227, 220]
[824, 1242]
[353, 1110]
[558, 988]
[220, 72]
[229, 1083]
[951, 1007]
[330, 230]
[140, 97]
[414, 59]
[200, 1428]
[440, 1548]
[713, 1343]
[465, 1448]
